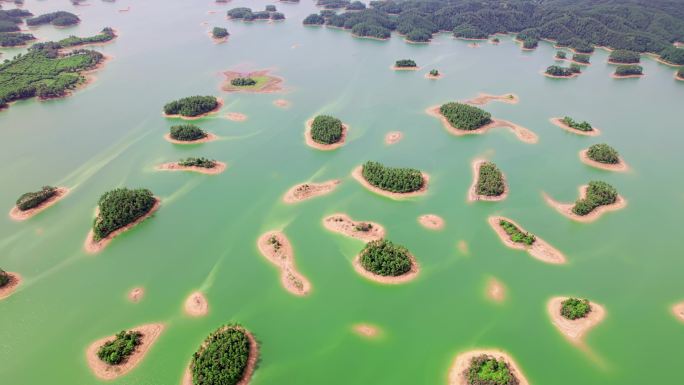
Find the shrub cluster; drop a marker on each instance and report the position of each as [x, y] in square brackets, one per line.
[243, 82]
[434, 72]
[627, 70]
[465, 117]
[121, 207]
[598, 194]
[191, 106]
[624, 56]
[384, 258]
[517, 235]
[197, 162]
[574, 308]
[326, 129]
[34, 199]
[603, 153]
[487, 370]
[556, 70]
[219, 32]
[581, 126]
[490, 182]
[117, 351]
[561, 55]
[581, 58]
[393, 179]
[187, 132]
[530, 43]
[222, 358]
[404, 63]
[314, 19]
[4, 278]
[59, 18]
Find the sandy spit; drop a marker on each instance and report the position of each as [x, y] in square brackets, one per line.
[539, 249]
[574, 330]
[524, 134]
[320, 146]
[566, 208]
[481, 99]
[457, 372]
[309, 190]
[19, 215]
[196, 305]
[283, 258]
[174, 166]
[209, 138]
[559, 122]
[212, 112]
[388, 280]
[393, 137]
[431, 221]
[621, 166]
[343, 224]
[7, 290]
[472, 191]
[356, 173]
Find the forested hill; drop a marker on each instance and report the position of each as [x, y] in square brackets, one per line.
[637, 25]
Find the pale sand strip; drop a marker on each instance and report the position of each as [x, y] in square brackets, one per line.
[522, 133]
[321, 146]
[150, 334]
[559, 122]
[196, 305]
[367, 330]
[309, 190]
[395, 68]
[7, 290]
[539, 249]
[431, 221]
[566, 208]
[496, 291]
[433, 77]
[572, 76]
[174, 166]
[621, 166]
[574, 330]
[388, 280]
[136, 294]
[393, 137]
[482, 98]
[678, 311]
[615, 76]
[283, 258]
[19, 215]
[209, 138]
[458, 370]
[472, 191]
[204, 115]
[343, 224]
[357, 174]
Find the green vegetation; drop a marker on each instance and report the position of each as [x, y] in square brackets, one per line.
[629, 70]
[326, 129]
[277, 16]
[246, 14]
[624, 56]
[117, 351]
[405, 63]
[14, 39]
[673, 55]
[356, 6]
[34, 199]
[530, 43]
[191, 106]
[243, 82]
[384, 258]
[490, 182]
[393, 179]
[581, 46]
[326, 13]
[581, 126]
[119, 208]
[333, 4]
[581, 58]
[468, 31]
[487, 370]
[187, 132]
[197, 162]
[105, 35]
[598, 194]
[363, 227]
[370, 30]
[314, 19]
[680, 73]
[240, 13]
[555, 70]
[464, 116]
[496, 40]
[574, 308]
[222, 358]
[4, 278]
[59, 18]
[219, 33]
[561, 55]
[603, 153]
[434, 72]
[517, 235]
[271, 8]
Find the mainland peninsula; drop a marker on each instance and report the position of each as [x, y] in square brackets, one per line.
[188, 134]
[574, 317]
[275, 246]
[361, 230]
[384, 262]
[431, 221]
[581, 128]
[258, 82]
[485, 367]
[193, 107]
[516, 237]
[325, 132]
[309, 190]
[489, 183]
[200, 165]
[392, 182]
[32, 203]
[604, 157]
[595, 199]
[8, 283]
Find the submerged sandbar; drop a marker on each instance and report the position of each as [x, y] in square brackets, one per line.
[539, 249]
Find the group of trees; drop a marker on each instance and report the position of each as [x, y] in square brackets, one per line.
[382, 257]
[629, 70]
[673, 55]
[121, 207]
[222, 358]
[487, 370]
[246, 14]
[14, 39]
[561, 55]
[59, 18]
[118, 350]
[581, 58]
[574, 308]
[405, 63]
[516, 235]
[10, 19]
[197, 162]
[34, 199]
[580, 126]
[219, 32]
[465, 117]
[624, 56]
[555, 70]
[680, 73]
[434, 72]
[598, 194]
[243, 82]
[393, 179]
[186, 132]
[490, 182]
[191, 106]
[603, 153]
[4, 278]
[105, 35]
[326, 129]
[314, 19]
[333, 4]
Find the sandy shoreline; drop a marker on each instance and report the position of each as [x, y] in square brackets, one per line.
[457, 372]
[481, 99]
[431, 221]
[539, 249]
[217, 40]
[7, 290]
[574, 330]
[678, 311]
[614, 76]
[309, 190]
[102, 370]
[559, 122]
[433, 77]
[219, 105]
[388, 280]
[678, 77]
[272, 85]
[522, 133]
[393, 137]
[136, 294]
[395, 68]
[566, 208]
[343, 224]
[209, 138]
[321, 146]
[473, 196]
[366, 330]
[196, 305]
[496, 291]
[19, 215]
[283, 258]
[621, 166]
[174, 166]
[93, 247]
[357, 174]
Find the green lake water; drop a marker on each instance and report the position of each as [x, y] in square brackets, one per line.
[204, 236]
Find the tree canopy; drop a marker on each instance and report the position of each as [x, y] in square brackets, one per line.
[187, 132]
[4, 278]
[490, 181]
[581, 126]
[243, 82]
[555, 70]
[191, 106]
[222, 358]
[59, 18]
[598, 194]
[464, 116]
[314, 19]
[105, 35]
[393, 179]
[574, 308]
[624, 56]
[629, 70]
[120, 348]
[14, 39]
[197, 162]
[405, 63]
[673, 55]
[581, 58]
[121, 207]
[382, 257]
[603, 153]
[487, 370]
[219, 32]
[34, 199]
[516, 235]
[326, 129]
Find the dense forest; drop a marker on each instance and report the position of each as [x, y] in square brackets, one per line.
[574, 308]
[246, 14]
[490, 181]
[673, 55]
[393, 179]
[603, 153]
[120, 348]
[191, 106]
[15, 39]
[581, 58]
[219, 33]
[186, 132]
[487, 370]
[465, 117]
[10, 19]
[222, 358]
[629, 70]
[598, 194]
[624, 56]
[680, 73]
[405, 63]
[326, 129]
[59, 18]
[121, 207]
[4, 278]
[197, 162]
[516, 235]
[34, 199]
[580, 126]
[383, 257]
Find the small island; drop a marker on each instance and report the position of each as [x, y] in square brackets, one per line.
[433, 74]
[314, 19]
[196, 305]
[485, 367]
[259, 82]
[604, 157]
[581, 128]
[361, 230]
[489, 183]
[678, 311]
[391, 182]
[114, 356]
[679, 75]
[405, 65]
[516, 237]
[325, 132]
[188, 134]
[275, 246]
[309, 190]
[595, 199]
[481, 99]
[193, 107]
[393, 137]
[32, 203]
[119, 210]
[200, 165]
[496, 291]
[559, 72]
[574, 317]
[626, 71]
[58, 19]
[431, 221]
[219, 35]
[623, 56]
[8, 283]
[246, 14]
[384, 262]
[136, 294]
[367, 330]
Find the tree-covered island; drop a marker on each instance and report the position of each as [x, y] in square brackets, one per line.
[393, 179]
[120, 208]
[490, 181]
[226, 357]
[405, 64]
[487, 370]
[628, 71]
[623, 56]
[59, 19]
[384, 258]
[326, 129]
[603, 153]
[192, 106]
[187, 133]
[577, 125]
[465, 117]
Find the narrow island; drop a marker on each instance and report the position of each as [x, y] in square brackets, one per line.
[384, 262]
[219, 35]
[433, 74]
[367, 330]
[119, 210]
[246, 14]
[623, 56]
[361, 230]
[604, 157]
[595, 199]
[431, 221]
[574, 317]
[196, 305]
[258, 82]
[393, 137]
[8, 283]
[516, 237]
[193, 107]
[309, 190]
[627, 71]
[58, 19]
[485, 367]
[558, 72]
[228, 356]
[136, 294]
[489, 183]
[32, 203]
[114, 356]
[105, 36]
[481, 99]
[275, 246]
[200, 165]
[463, 119]
[392, 182]
[581, 128]
[325, 132]
[578, 58]
[677, 310]
[405, 65]
[496, 291]
[188, 134]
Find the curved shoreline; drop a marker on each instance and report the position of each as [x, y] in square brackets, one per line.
[219, 105]
[93, 247]
[209, 138]
[322, 146]
[196, 305]
[574, 330]
[539, 250]
[357, 174]
[102, 370]
[393, 137]
[473, 196]
[482, 98]
[559, 122]
[621, 166]
[457, 372]
[174, 166]
[566, 208]
[678, 311]
[272, 85]
[343, 224]
[431, 222]
[433, 77]
[309, 190]
[496, 291]
[283, 258]
[386, 279]
[19, 215]
[678, 77]
[14, 282]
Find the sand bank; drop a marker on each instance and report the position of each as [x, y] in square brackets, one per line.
[524, 134]
[136, 294]
[366, 330]
[615, 76]
[92, 247]
[574, 330]
[19, 215]
[150, 334]
[462, 246]
[14, 281]
[388, 280]
[304, 191]
[219, 105]
[282, 103]
[621, 166]
[395, 68]
[209, 138]
[678, 311]
[459, 369]
[356, 173]
[281, 255]
[571, 76]
[431, 221]
[343, 224]
[174, 166]
[321, 146]
[496, 291]
[196, 305]
[559, 122]
[472, 191]
[236, 116]
[473, 45]
[270, 85]
[481, 99]
[539, 249]
[434, 77]
[393, 137]
[566, 208]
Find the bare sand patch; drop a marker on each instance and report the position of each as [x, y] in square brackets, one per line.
[275, 246]
[459, 369]
[209, 138]
[322, 146]
[196, 305]
[524, 134]
[236, 116]
[357, 174]
[150, 334]
[384, 279]
[634, 76]
[136, 294]
[463, 247]
[174, 166]
[574, 330]
[434, 77]
[19, 215]
[559, 122]
[367, 330]
[219, 105]
[271, 85]
[473, 45]
[566, 208]
[309, 190]
[92, 246]
[539, 249]
[11, 286]
[431, 221]
[621, 166]
[393, 137]
[343, 224]
[496, 291]
[395, 68]
[481, 99]
[472, 191]
[678, 311]
[282, 103]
